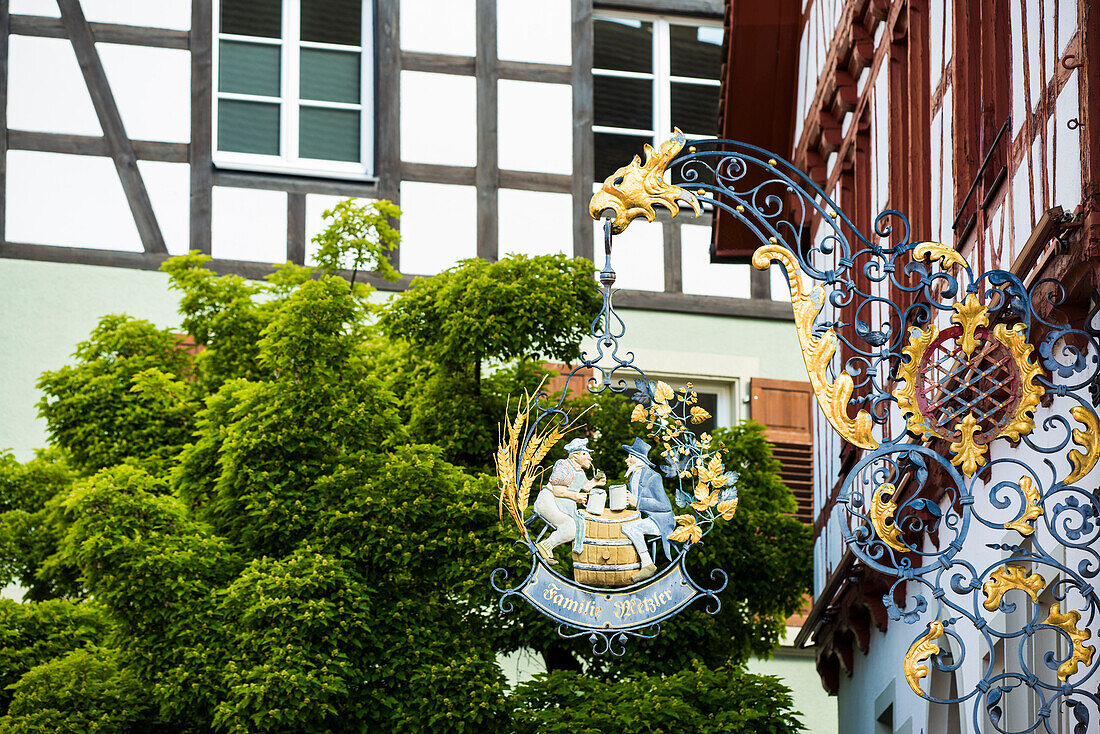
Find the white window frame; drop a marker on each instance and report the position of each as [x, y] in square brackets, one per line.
[729, 410]
[661, 75]
[290, 104]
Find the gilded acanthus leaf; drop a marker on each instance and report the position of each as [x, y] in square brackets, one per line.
[967, 453]
[906, 391]
[1023, 420]
[1010, 577]
[1081, 653]
[817, 351]
[920, 651]
[970, 314]
[1024, 523]
[883, 510]
[633, 190]
[947, 255]
[1089, 440]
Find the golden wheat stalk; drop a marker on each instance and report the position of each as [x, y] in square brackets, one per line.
[512, 467]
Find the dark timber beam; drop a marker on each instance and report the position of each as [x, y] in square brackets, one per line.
[583, 154]
[296, 228]
[34, 25]
[438, 63]
[641, 300]
[487, 72]
[294, 184]
[387, 108]
[5, 20]
[145, 150]
[674, 273]
[467, 66]
[122, 151]
[699, 8]
[202, 100]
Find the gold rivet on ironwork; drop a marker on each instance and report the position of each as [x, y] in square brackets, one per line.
[691, 149]
[701, 192]
[740, 208]
[772, 161]
[773, 240]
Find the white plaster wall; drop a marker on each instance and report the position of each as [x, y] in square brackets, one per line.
[1065, 159]
[944, 214]
[637, 256]
[704, 278]
[536, 32]
[438, 226]
[535, 126]
[152, 88]
[259, 236]
[169, 187]
[534, 223]
[48, 202]
[46, 91]
[426, 100]
[437, 27]
[175, 14]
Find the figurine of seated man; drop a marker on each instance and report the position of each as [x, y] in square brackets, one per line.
[557, 501]
[646, 491]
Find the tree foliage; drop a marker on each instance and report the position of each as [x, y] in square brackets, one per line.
[281, 524]
[695, 699]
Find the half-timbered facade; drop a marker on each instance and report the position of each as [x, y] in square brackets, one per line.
[135, 131]
[978, 120]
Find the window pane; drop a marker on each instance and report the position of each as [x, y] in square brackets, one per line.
[622, 102]
[332, 21]
[623, 45]
[330, 76]
[615, 151]
[695, 108]
[248, 68]
[708, 402]
[262, 18]
[248, 127]
[332, 135]
[696, 51]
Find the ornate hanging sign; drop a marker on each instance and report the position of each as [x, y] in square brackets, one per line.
[607, 558]
[977, 418]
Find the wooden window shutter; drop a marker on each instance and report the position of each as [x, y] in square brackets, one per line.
[785, 408]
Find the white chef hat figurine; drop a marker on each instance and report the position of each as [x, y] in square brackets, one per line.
[557, 501]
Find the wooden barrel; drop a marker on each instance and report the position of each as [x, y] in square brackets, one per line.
[608, 558]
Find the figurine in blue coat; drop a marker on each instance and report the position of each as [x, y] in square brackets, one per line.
[646, 491]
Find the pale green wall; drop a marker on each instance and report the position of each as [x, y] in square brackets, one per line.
[717, 346]
[46, 309]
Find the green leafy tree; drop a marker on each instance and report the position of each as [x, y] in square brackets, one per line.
[694, 699]
[359, 237]
[452, 324]
[280, 531]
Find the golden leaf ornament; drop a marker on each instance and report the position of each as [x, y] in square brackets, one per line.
[883, 509]
[818, 351]
[919, 651]
[1024, 523]
[1009, 577]
[1081, 653]
[1089, 440]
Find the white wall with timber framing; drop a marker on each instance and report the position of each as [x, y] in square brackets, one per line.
[480, 116]
[854, 56]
